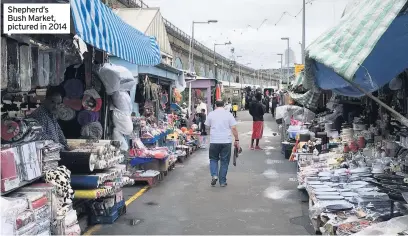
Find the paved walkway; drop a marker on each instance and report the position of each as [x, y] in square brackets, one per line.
[261, 196]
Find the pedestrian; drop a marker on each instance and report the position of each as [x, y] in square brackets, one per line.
[203, 118]
[228, 107]
[274, 104]
[257, 112]
[266, 101]
[222, 124]
[235, 109]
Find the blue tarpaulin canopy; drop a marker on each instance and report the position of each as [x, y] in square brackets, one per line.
[100, 27]
[369, 47]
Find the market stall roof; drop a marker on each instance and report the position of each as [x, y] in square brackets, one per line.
[148, 21]
[368, 47]
[100, 27]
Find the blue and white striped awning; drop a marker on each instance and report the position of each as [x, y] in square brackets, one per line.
[99, 26]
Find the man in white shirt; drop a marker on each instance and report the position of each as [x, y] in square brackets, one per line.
[201, 105]
[228, 107]
[221, 123]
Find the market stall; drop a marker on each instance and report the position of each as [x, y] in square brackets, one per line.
[55, 88]
[352, 158]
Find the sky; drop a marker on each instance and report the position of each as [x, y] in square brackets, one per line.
[254, 27]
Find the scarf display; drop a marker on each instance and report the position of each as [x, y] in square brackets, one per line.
[74, 103]
[19, 130]
[85, 117]
[65, 113]
[92, 100]
[92, 130]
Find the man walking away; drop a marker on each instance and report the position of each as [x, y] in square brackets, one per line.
[203, 118]
[221, 123]
[274, 104]
[235, 109]
[257, 111]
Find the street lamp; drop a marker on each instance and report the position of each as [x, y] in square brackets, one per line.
[281, 62]
[219, 44]
[191, 54]
[191, 57]
[287, 59]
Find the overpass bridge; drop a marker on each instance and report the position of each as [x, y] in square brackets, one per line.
[223, 69]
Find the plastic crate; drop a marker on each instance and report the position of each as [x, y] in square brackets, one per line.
[119, 209]
[150, 140]
[106, 211]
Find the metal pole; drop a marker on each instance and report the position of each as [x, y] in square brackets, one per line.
[190, 47]
[287, 69]
[281, 71]
[214, 64]
[304, 32]
[190, 58]
[239, 74]
[189, 100]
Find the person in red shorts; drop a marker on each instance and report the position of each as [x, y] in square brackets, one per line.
[257, 111]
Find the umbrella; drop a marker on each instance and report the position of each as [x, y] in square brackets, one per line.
[367, 48]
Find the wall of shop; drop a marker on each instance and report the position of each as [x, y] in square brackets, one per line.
[204, 84]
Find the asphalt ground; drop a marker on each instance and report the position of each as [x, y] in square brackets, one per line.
[261, 196]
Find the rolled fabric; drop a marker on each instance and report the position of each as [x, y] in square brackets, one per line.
[92, 130]
[78, 162]
[65, 113]
[92, 100]
[89, 194]
[85, 117]
[74, 103]
[85, 181]
[74, 88]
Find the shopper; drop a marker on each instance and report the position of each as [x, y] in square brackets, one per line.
[203, 118]
[235, 109]
[257, 111]
[221, 123]
[266, 101]
[228, 107]
[46, 117]
[275, 102]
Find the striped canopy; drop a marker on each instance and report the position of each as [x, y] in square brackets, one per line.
[368, 46]
[100, 27]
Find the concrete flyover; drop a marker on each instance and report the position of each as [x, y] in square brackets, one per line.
[224, 68]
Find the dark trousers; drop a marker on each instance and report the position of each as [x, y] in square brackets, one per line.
[234, 113]
[220, 152]
[273, 109]
[202, 128]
